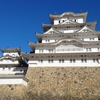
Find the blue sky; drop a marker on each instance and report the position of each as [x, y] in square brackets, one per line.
[20, 19]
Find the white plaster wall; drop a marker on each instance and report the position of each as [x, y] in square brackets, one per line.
[37, 51]
[56, 22]
[67, 49]
[86, 39]
[44, 41]
[48, 40]
[52, 40]
[32, 62]
[94, 49]
[11, 70]
[94, 39]
[24, 82]
[90, 39]
[14, 54]
[67, 63]
[45, 51]
[7, 61]
[78, 20]
[13, 81]
[68, 30]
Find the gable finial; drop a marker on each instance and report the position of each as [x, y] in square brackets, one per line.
[55, 13]
[80, 11]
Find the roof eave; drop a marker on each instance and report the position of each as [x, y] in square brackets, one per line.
[39, 37]
[31, 45]
[46, 27]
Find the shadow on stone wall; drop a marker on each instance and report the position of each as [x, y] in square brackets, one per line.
[47, 96]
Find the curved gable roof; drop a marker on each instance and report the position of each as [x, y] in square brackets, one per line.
[11, 50]
[52, 17]
[68, 40]
[52, 31]
[85, 29]
[68, 22]
[9, 58]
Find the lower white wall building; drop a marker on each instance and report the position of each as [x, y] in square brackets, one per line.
[12, 67]
[12, 79]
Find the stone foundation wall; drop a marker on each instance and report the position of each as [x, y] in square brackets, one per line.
[64, 83]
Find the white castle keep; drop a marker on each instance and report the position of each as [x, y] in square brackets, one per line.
[69, 41]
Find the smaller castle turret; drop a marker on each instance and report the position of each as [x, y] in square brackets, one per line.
[12, 67]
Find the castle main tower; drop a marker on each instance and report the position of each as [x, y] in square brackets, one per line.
[69, 41]
[65, 62]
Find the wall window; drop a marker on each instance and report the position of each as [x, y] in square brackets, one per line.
[93, 60]
[82, 38]
[50, 50]
[50, 60]
[61, 60]
[41, 61]
[74, 60]
[97, 60]
[48, 40]
[41, 51]
[83, 60]
[21, 70]
[59, 21]
[3, 68]
[98, 49]
[55, 40]
[89, 49]
[71, 60]
[91, 38]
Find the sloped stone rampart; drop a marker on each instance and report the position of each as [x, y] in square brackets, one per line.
[74, 82]
[59, 83]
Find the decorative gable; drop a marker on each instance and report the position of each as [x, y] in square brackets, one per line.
[51, 31]
[67, 21]
[85, 29]
[67, 48]
[8, 59]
